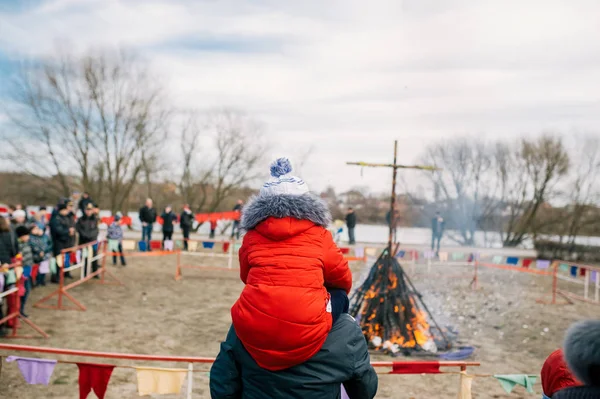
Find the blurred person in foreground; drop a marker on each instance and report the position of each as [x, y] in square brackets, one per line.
[8, 251]
[582, 354]
[556, 374]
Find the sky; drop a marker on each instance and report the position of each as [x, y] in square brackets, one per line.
[345, 78]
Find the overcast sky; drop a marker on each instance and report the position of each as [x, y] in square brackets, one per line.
[348, 77]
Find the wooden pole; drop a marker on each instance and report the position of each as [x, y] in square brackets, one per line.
[393, 201]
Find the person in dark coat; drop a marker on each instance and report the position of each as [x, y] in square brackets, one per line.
[83, 202]
[343, 359]
[62, 228]
[351, 224]
[582, 354]
[8, 250]
[437, 231]
[186, 221]
[235, 230]
[87, 229]
[147, 217]
[169, 218]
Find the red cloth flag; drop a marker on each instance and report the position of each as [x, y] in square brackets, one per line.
[527, 262]
[416, 368]
[345, 251]
[582, 272]
[94, 377]
[226, 246]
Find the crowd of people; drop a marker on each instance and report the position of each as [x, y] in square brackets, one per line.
[33, 241]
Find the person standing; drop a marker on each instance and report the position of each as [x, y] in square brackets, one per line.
[351, 224]
[26, 252]
[8, 250]
[168, 217]
[437, 231]
[186, 221]
[41, 246]
[115, 232]
[147, 217]
[87, 228]
[236, 223]
[41, 218]
[83, 202]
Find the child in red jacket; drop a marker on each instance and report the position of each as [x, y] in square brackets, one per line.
[297, 280]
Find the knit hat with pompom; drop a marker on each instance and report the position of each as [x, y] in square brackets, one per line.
[282, 182]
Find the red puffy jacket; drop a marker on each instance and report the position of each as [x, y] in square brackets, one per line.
[281, 315]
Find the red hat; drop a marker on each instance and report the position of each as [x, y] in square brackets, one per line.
[556, 375]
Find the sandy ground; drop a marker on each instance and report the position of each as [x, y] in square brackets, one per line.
[153, 314]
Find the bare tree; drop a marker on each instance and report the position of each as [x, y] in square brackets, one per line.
[583, 189]
[94, 118]
[463, 186]
[527, 176]
[194, 181]
[240, 147]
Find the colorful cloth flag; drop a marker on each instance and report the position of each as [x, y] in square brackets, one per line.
[428, 254]
[582, 271]
[53, 266]
[168, 245]
[45, 267]
[466, 383]
[34, 371]
[159, 381]
[226, 245]
[94, 377]
[573, 271]
[443, 256]
[1, 282]
[458, 256]
[359, 252]
[11, 277]
[84, 253]
[542, 264]
[594, 276]
[527, 262]
[78, 256]
[416, 368]
[371, 251]
[237, 246]
[512, 260]
[401, 254]
[345, 250]
[509, 381]
[179, 244]
[192, 245]
[113, 245]
[128, 245]
[208, 244]
[497, 259]
[563, 267]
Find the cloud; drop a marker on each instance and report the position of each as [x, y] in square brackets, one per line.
[348, 78]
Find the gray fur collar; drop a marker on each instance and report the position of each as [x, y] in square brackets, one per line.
[306, 206]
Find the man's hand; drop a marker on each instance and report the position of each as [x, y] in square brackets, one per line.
[144, 224]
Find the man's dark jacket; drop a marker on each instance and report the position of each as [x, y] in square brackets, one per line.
[351, 220]
[344, 358]
[168, 220]
[147, 215]
[87, 228]
[186, 219]
[59, 227]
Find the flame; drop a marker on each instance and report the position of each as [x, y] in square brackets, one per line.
[416, 328]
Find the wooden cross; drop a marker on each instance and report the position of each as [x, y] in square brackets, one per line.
[395, 166]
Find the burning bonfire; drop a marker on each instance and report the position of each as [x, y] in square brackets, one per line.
[391, 312]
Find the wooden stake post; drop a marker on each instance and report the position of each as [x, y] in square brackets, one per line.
[395, 166]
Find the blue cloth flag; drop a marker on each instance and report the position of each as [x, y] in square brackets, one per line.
[573, 271]
[512, 260]
[208, 244]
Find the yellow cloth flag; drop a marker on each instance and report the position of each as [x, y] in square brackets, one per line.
[59, 260]
[465, 386]
[19, 272]
[159, 381]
